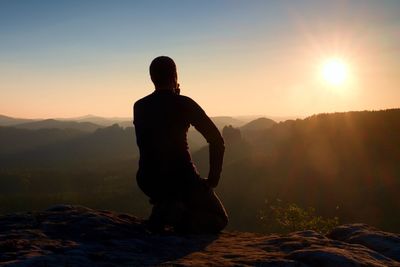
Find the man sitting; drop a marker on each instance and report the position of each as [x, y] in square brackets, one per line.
[180, 197]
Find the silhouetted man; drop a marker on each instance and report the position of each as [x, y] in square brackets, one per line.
[181, 198]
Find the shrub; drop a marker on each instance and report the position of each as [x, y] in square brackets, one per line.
[289, 217]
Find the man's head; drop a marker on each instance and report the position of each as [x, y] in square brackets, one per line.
[163, 73]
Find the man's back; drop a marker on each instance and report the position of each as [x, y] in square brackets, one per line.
[161, 122]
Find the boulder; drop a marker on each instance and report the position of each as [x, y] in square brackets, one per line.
[66, 235]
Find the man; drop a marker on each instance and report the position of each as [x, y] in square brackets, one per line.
[181, 198]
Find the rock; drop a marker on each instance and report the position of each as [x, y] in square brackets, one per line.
[67, 235]
[387, 244]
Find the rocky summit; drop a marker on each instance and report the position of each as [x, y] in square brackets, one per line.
[67, 235]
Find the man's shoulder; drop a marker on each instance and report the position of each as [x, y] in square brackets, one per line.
[187, 100]
[143, 100]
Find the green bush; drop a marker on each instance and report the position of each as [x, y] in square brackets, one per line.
[288, 217]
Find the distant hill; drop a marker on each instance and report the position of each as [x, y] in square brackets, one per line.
[221, 121]
[103, 121]
[14, 140]
[98, 121]
[259, 124]
[196, 140]
[104, 144]
[56, 124]
[9, 121]
[256, 128]
[125, 124]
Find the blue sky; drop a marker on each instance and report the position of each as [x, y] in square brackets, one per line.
[96, 54]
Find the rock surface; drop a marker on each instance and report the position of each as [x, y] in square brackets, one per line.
[78, 236]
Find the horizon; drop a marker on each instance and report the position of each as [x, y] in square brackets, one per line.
[65, 59]
[128, 118]
[244, 117]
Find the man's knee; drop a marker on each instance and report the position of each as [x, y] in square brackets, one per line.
[215, 214]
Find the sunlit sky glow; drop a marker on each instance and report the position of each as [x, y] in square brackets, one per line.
[335, 71]
[71, 58]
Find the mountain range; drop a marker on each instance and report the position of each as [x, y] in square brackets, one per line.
[342, 164]
[82, 123]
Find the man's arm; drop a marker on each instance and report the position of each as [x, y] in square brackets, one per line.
[202, 123]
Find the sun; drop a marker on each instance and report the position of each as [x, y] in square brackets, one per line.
[335, 71]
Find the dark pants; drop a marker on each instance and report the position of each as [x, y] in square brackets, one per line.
[200, 211]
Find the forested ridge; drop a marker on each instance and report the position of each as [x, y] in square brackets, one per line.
[342, 164]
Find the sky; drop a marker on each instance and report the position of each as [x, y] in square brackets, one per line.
[76, 57]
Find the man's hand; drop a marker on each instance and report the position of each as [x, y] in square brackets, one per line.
[212, 182]
[208, 183]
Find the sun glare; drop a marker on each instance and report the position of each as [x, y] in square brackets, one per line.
[335, 71]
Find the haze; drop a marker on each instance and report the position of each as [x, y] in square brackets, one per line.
[71, 58]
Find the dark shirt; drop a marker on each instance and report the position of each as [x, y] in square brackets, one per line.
[161, 121]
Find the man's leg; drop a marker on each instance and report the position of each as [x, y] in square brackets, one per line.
[165, 213]
[204, 213]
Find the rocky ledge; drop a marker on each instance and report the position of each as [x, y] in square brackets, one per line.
[78, 236]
